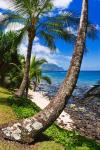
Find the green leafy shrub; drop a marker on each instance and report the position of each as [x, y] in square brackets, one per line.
[70, 139]
[23, 107]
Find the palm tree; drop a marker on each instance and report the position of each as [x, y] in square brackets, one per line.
[27, 130]
[36, 72]
[33, 15]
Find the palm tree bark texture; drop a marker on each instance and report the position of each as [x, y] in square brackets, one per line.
[29, 129]
[25, 82]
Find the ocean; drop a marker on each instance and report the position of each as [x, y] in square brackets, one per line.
[85, 77]
[85, 82]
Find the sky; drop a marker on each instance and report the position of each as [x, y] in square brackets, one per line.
[63, 54]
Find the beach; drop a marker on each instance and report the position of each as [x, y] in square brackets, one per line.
[81, 114]
[41, 100]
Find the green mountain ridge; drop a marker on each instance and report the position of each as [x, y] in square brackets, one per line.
[51, 67]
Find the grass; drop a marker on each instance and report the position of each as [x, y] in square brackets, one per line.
[23, 107]
[9, 111]
[59, 137]
[6, 112]
[48, 145]
[71, 140]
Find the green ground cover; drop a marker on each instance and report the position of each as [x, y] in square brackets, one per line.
[58, 139]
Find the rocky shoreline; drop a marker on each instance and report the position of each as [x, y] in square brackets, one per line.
[82, 111]
[86, 117]
[51, 90]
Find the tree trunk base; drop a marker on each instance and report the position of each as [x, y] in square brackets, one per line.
[21, 131]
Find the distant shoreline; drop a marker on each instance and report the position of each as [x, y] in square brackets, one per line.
[85, 77]
[67, 70]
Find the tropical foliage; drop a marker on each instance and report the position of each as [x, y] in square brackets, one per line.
[8, 56]
[36, 72]
[15, 74]
[34, 16]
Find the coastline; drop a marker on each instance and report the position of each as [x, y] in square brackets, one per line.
[78, 116]
[41, 100]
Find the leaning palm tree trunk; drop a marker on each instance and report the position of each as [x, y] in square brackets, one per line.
[25, 82]
[28, 129]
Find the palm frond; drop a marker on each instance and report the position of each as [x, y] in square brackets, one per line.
[44, 6]
[41, 61]
[19, 69]
[23, 7]
[55, 27]
[11, 17]
[51, 24]
[36, 63]
[63, 34]
[66, 19]
[20, 36]
[36, 69]
[49, 40]
[92, 32]
[47, 79]
[10, 40]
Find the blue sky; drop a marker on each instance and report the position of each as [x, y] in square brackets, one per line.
[64, 51]
[91, 60]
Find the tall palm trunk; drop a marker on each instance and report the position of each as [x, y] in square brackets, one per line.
[34, 86]
[25, 82]
[28, 129]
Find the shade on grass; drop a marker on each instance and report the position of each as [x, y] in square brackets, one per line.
[6, 112]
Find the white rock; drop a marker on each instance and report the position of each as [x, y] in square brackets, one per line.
[16, 136]
[37, 125]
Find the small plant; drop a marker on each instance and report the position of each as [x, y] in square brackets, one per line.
[23, 107]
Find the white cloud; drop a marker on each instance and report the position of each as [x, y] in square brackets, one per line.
[4, 4]
[14, 26]
[57, 3]
[62, 3]
[57, 57]
[42, 51]
[98, 27]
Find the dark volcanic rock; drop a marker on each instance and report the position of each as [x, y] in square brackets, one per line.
[86, 116]
[51, 90]
[94, 91]
[80, 91]
[83, 108]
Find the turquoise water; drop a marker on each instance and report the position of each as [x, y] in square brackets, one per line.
[85, 77]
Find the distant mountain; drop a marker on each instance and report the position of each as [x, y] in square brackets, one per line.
[51, 67]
